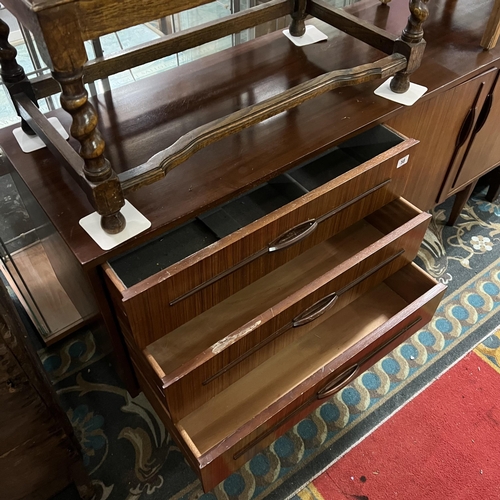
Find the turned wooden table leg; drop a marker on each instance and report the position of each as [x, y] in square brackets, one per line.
[107, 192]
[459, 203]
[298, 26]
[62, 47]
[411, 45]
[12, 73]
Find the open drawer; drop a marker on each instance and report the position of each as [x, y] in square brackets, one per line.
[226, 431]
[188, 270]
[212, 351]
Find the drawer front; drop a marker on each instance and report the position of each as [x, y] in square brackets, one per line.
[240, 352]
[221, 461]
[172, 297]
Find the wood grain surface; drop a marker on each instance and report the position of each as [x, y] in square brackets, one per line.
[276, 418]
[39, 453]
[223, 427]
[440, 150]
[483, 153]
[52, 307]
[159, 165]
[189, 356]
[163, 47]
[145, 303]
[220, 84]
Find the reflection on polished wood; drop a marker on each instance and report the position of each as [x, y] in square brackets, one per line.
[257, 69]
[47, 302]
[61, 33]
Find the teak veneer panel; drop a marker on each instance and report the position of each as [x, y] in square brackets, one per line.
[230, 428]
[190, 356]
[186, 342]
[484, 151]
[149, 304]
[440, 155]
[220, 461]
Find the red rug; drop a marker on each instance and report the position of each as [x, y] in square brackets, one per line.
[445, 444]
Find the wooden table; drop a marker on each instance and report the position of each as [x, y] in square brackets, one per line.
[166, 108]
[262, 67]
[61, 30]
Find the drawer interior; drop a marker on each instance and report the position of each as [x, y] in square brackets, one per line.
[251, 395]
[209, 329]
[196, 234]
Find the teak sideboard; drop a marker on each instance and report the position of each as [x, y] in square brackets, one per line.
[278, 266]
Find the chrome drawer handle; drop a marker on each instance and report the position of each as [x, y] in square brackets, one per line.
[339, 382]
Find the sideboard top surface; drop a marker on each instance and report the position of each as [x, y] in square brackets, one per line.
[142, 118]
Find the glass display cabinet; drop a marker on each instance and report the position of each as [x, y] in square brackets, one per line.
[37, 263]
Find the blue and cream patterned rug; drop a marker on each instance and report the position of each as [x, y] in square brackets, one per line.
[130, 456]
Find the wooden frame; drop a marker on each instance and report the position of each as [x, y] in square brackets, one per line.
[61, 29]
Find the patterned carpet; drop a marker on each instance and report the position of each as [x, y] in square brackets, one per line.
[130, 456]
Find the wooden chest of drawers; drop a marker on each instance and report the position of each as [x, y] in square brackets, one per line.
[241, 321]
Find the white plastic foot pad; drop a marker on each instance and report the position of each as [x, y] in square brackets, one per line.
[136, 223]
[30, 143]
[410, 97]
[312, 35]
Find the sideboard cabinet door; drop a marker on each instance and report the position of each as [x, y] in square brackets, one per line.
[444, 126]
[483, 153]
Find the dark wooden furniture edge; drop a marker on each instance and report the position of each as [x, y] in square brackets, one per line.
[13, 334]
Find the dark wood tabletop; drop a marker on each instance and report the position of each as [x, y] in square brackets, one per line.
[139, 120]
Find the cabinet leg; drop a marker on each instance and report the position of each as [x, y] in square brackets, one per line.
[121, 357]
[460, 201]
[13, 74]
[106, 189]
[494, 189]
[411, 45]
